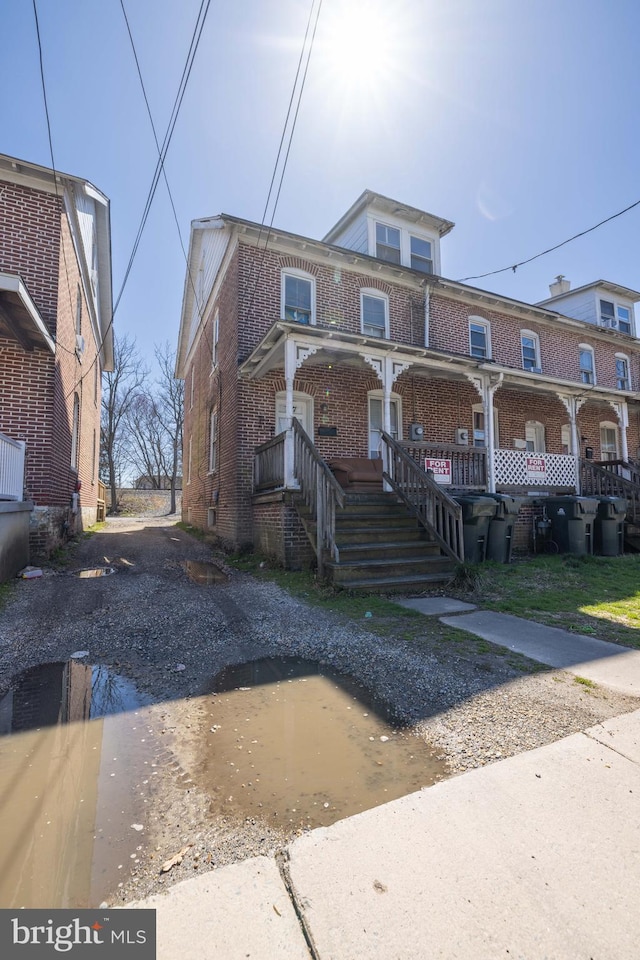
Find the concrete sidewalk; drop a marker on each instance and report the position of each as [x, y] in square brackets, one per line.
[536, 856]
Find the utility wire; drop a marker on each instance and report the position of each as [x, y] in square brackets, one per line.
[514, 267]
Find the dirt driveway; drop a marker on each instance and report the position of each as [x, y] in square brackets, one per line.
[150, 623]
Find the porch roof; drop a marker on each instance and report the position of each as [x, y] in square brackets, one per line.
[20, 319]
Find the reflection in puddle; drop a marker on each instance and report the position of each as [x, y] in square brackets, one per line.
[205, 573]
[67, 806]
[94, 572]
[292, 743]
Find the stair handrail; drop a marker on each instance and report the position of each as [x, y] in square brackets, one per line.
[320, 491]
[599, 481]
[434, 508]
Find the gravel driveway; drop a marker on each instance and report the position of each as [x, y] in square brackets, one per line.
[151, 623]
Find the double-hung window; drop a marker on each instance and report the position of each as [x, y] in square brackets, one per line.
[587, 365]
[387, 243]
[298, 297]
[421, 255]
[479, 343]
[530, 346]
[615, 315]
[374, 314]
[622, 372]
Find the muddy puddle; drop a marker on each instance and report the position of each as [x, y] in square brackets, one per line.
[93, 572]
[74, 749]
[205, 573]
[292, 743]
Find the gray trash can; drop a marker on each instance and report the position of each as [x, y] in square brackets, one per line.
[500, 539]
[572, 523]
[609, 531]
[477, 512]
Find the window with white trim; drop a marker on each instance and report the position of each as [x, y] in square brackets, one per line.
[479, 338]
[565, 439]
[298, 297]
[214, 338]
[376, 420]
[213, 440]
[387, 243]
[587, 364]
[615, 315]
[608, 440]
[421, 254]
[530, 349]
[479, 432]
[374, 313]
[534, 435]
[623, 381]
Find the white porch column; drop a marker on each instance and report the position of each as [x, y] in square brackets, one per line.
[289, 376]
[572, 406]
[623, 415]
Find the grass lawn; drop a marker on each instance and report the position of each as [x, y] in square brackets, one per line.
[599, 596]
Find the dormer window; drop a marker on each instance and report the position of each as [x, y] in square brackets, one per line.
[615, 316]
[387, 243]
[421, 255]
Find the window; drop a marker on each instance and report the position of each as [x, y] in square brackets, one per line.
[213, 441]
[189, 459]
[534, 436]
[608, 440]
[376, 420]
[298, 296]
[622, 372]
[373, 312]
[421, 255]
[479, 345]
[387, 243]
[565, 438]
[75, 432]
[479, 433]
[530, 346]
[587, 365]
[214, 339]
[615, 316]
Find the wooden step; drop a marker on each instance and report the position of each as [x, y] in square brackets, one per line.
[388, 550]
[399, 584]
[386, 567]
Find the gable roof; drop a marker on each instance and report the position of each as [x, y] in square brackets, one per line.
[386, 205]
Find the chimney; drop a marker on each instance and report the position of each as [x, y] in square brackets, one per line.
[559, 286]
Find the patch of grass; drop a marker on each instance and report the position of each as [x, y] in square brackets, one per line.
[585, 682]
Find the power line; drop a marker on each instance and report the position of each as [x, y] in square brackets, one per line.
[514, 267]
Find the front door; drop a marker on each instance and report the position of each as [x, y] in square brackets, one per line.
[302, 411]
[376, 421]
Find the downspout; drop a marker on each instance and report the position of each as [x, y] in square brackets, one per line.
[491, 433]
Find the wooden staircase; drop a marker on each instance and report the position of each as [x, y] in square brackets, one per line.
[381, 546]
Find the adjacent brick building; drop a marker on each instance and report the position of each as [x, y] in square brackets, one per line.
[55, 340]
[358, 336]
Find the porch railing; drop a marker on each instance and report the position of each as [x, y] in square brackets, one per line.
[12, 455]
[320, 491]
[434, 508]
[468, 464]
[268, 464]
[598, 481]
[523, 468]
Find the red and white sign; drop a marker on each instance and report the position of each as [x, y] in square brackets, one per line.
[536, 468]
[441, 469]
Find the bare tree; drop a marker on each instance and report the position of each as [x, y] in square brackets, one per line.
[120, 389]
[170, 403]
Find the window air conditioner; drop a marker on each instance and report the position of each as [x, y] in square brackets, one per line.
[462, 436]
[79, 344]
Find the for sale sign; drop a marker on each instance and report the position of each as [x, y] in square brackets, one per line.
[441, 469]
[536, 468]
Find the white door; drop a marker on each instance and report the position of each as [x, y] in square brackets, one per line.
[302, 411]
[376, 421]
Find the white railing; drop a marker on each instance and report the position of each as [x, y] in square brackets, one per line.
[522, 468]
[11, 468]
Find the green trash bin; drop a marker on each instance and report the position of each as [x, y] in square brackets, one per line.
[500, 539]
[609, 532]
[572, 523]
[477, 513]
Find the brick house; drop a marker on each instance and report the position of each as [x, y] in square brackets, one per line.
[55, 341]
[360, 341]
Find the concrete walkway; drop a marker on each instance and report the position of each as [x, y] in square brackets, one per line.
[536, 856]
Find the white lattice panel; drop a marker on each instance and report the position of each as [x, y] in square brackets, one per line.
[521, 468]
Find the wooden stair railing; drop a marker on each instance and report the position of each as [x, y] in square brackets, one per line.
[434, 508]
[599, 481]
[320, 491]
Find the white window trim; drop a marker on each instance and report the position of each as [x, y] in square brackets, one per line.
[623, 356]
[587, 348]
[432, 258]
[531, 335]
[609, 425]
[390, 226]
[215, 332]
[481, 322]
[566, 433]
[213, 440]
[539, 431]
[193, 387]
[479, 408]
[379, 395]
[303, 275]
[406, 232]
[617, 304]
[374, 292]
[75, 433]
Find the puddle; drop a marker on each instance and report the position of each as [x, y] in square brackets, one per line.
[205, 573]
[293, 743]
[93, 572]
[74, 740]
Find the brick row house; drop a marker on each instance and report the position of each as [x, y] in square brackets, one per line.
[55, 342]
[312, 368]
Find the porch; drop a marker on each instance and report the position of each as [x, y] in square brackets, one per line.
[14, 510]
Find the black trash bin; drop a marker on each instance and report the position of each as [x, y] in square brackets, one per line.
[572, 523]
[609, 532]
[500, 539]
[477, 512]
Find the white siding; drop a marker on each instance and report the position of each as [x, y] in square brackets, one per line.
[213, 249]
[581, 306]
[354, 237]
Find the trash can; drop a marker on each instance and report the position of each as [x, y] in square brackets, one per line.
[572, 523]
[609, 532]
[477, 512]
[500, 540]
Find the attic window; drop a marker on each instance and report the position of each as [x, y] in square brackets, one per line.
[387, 243]
[421, 255]
[615, 316]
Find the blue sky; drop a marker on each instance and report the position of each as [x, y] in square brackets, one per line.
[515, 119]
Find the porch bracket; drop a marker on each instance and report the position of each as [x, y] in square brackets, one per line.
[476, 382]
[398, 368]
[376, 365]
[303, 353]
